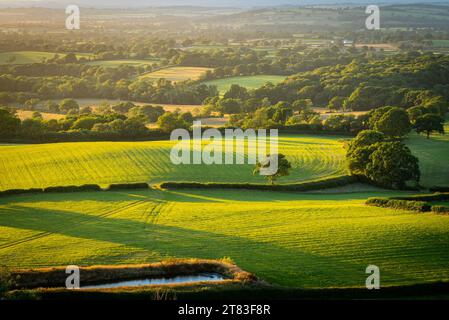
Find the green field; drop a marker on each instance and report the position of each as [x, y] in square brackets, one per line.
[313, 157]
[121, 62]
[304, 240]
[27, 166]
[321, 239]
[440, 43]
[24, 57]
[249, 82]
[176, 73]
[433, 155]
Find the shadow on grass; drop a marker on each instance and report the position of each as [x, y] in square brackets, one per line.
[273, 263]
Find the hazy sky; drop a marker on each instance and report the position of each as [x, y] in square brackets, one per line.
[245, 3]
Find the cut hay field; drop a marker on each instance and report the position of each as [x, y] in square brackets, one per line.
[121, 62]
[313, 157]
[27, 114]
[28, 166]
[24, 57]
[176, 74]
[290, 239]
[249, 82]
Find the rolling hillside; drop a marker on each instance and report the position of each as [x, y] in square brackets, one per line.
[28, 166]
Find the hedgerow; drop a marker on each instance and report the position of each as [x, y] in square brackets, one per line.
[127, 186]
[306, 186]
[440, 209]
[419, 206]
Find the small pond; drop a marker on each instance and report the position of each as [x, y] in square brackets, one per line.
[158, 281]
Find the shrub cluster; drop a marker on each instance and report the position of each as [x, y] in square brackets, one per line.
[440, 209]
[439, 189]
[420, 203]
[419, 206]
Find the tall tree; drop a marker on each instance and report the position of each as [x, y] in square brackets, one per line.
[283, 167]
[429, 123]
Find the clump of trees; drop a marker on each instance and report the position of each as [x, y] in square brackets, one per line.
[113, 124]
[385, 162]
[170, 121]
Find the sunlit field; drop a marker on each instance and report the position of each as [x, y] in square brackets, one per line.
[176, 73]
[122, 62]
[28, 166]
[24, 57]
[299, 240]
[101, 165]
[249, 82]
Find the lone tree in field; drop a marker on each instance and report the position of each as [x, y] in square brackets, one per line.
[283, 168]
[429, 123]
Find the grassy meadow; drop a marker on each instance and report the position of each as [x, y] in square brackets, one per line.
[25, 57]
[312, 157]
[249, 82]
[121, 62]
[28, 166]
[433, 157]
[176, 74]
[290, 239]
[27, 114]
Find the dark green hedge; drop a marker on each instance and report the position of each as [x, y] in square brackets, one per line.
[440, 209]
[86, 187]
[127, 186]
[439, 189]
[419, 206]
[20, 191]
[306, 186]
[56, 189]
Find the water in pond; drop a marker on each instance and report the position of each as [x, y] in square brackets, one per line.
[145, 282]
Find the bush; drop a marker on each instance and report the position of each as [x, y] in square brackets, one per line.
[439, 189]
[86, 187]
[440, 209]
[19, 191]
[306, 186]
[6, 281]
[127, 186]
[419, 206]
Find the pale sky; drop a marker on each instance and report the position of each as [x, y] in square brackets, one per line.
[222, 3]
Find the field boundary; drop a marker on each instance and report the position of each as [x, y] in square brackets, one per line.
[82, 188]
[418, 203]
[304, 186]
